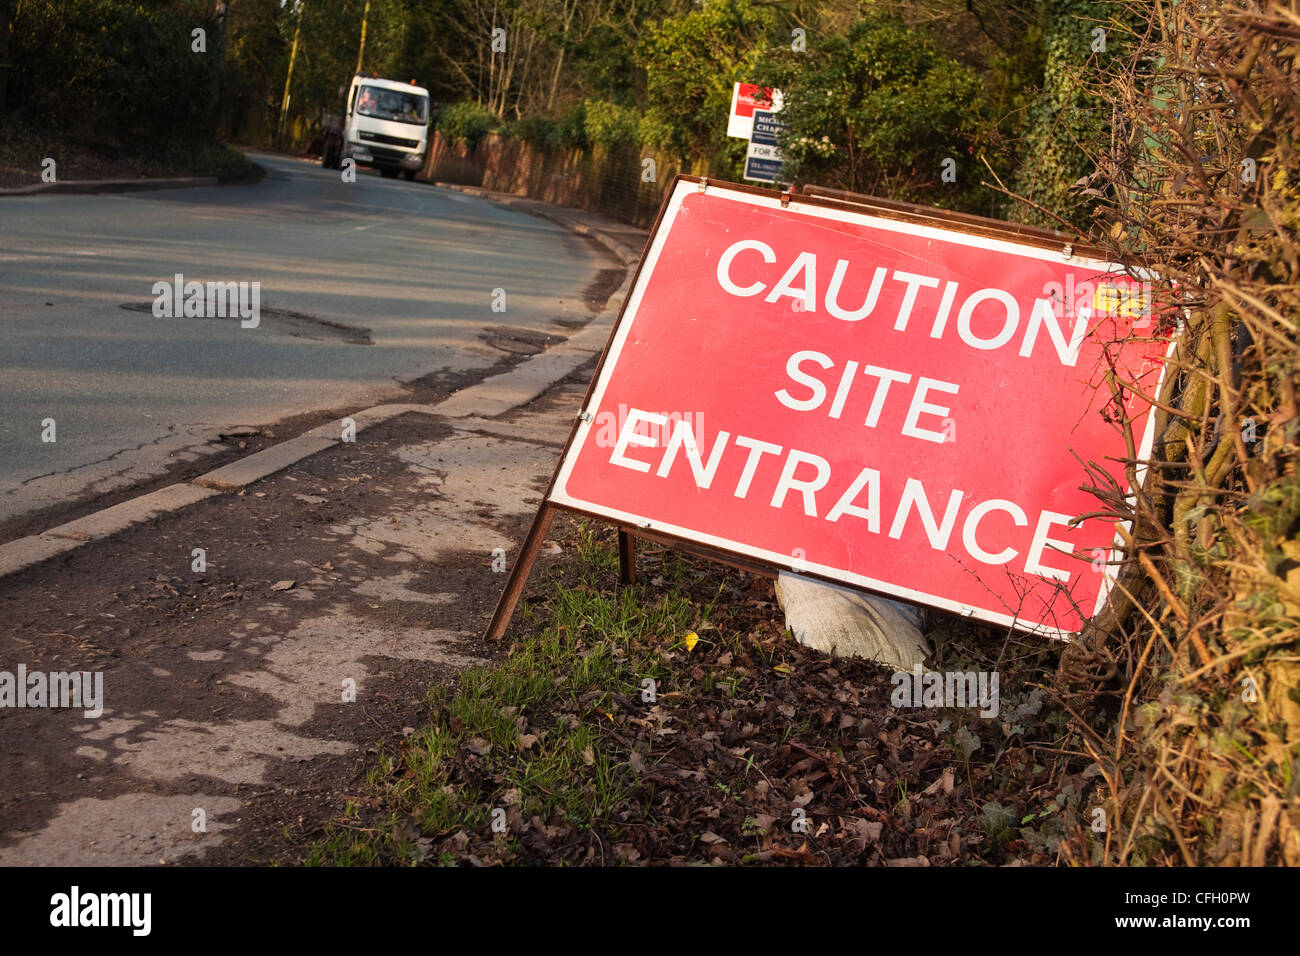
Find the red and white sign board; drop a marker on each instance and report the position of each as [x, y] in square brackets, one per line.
[894, 406]
[745, 98]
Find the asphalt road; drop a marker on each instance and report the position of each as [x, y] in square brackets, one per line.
[415, 265]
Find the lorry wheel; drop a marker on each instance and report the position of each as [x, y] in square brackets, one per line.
[409, 174]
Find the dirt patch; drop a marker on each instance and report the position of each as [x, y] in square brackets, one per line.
[224, 694]
[602, 287]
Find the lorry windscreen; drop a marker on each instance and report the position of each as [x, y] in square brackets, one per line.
[392, 105]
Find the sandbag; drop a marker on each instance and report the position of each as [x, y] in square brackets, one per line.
[848, 623]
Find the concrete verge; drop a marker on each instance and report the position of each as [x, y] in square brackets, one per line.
[239, 474]
[120, 517]
[367, 418]
[499, 394]
[25, 552]
[110, 185]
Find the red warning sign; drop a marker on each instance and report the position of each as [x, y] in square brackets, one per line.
[745, 99]
[896, 406]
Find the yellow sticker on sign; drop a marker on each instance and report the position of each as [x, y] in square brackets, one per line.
[1126, 301]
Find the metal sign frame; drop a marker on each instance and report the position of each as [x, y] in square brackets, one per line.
[814, 196]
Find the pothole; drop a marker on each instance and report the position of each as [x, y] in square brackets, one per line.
[298, 324]
[519, 341]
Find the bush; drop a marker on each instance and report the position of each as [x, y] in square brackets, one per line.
[577, 128]
[1201, 760]
[691, 61]
[466, 122]
[116, 70]
[655, 129]
[539, 132]
[879, 111]
[571, 128]
[1067, 125]
[609, 124]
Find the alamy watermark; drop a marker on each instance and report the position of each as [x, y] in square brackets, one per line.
[922, 688]
[652, 430]
[57, 689]
[208, 300]
[75, 908]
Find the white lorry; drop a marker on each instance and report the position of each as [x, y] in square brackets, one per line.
[384, 124]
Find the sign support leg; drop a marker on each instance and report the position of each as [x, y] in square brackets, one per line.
[519, 573]
[626, 557]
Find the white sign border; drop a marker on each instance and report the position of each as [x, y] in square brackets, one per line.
[560, 496]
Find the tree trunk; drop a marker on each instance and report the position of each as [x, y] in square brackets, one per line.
[8, 12]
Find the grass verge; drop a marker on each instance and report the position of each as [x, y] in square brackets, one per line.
[676, 722]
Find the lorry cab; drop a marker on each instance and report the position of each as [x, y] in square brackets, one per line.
[386, 125]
